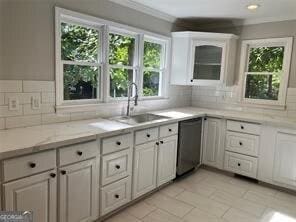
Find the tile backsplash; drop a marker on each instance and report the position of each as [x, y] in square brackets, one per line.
[229, 99]
[44, 91]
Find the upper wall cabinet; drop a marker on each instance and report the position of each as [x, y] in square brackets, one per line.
[201, 58]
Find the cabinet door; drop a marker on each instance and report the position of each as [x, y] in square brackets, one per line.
[78, 192]
[35, 193]
[167, 159]
[145, 162]
[285, 159]
[212, 143]
[207, 62]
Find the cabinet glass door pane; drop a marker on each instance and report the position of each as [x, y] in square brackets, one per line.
[207, 62]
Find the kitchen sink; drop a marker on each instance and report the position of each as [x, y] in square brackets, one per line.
[141, 118]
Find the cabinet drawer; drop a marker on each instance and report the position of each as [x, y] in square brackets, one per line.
[115, 195]
[116, 143]
[146, 135]
[242, 143]
[116, 166]
[28, 165]
[78, 152]
[244, 127]
[241, 164]
[168, 130]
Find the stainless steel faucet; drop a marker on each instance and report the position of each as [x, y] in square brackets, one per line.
[129, 94]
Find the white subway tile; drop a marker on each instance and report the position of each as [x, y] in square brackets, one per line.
[291, 99]
[2, 123]
[23, 121]
[47, 108]
[291, 91]
[48, 97]
[11, 86]
[38, 86]
[24, 98]
[55, 118]
[1, 99]
[5, 112]
[292, 114]
[29, 111]
[83, 116]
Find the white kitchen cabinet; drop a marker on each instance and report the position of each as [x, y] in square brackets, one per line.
[200, 58]
[145, 164]
[213, 148]
[284, 170]
[36, 193]
[167, 159]
[78, 192]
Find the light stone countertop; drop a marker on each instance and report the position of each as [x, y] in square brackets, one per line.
[20, 141]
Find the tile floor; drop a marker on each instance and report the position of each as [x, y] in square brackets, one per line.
[208, 196]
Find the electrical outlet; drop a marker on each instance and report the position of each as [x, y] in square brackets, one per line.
[35, 102]
[13, 103]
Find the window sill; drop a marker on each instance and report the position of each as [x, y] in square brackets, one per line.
[88, 107]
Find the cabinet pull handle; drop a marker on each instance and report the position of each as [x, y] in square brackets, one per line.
[32, 165]
[63, 172]
[116, 196]
[170, 130]
[118, 143]
[79, 153]
[117, 167]
[157, 143]
[53, 175]
[191, 80]
[161, 142]
[242, 127]
[205, 118]
[239, 164]
[148, 135]
[240, 143]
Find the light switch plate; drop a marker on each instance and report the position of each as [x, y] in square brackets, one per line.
[35, 102]
[13, 103]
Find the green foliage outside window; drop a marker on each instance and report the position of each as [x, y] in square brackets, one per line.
[264, 60]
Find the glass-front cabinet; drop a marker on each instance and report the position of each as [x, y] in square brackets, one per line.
[207, 62]
[205, 59]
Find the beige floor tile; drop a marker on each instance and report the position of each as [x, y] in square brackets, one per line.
[225, 186]
[257, 188]
[281, 195]
[199, 188]
[235, 215]
[239, 203]
[140, 209]
[271, 215]
[199, 215]
[172, 190]
[122, 217]
[203, 203]
[171, 205]
[160, 216]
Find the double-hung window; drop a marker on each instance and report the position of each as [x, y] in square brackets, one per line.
[153, 67]
[122, 62]
[96, 60]
[265, 67]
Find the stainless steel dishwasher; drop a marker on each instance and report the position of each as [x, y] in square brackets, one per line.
[189, 145]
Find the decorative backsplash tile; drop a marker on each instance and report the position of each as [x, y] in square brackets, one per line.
[45, 92]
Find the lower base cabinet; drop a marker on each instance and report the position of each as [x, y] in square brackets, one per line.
[115, 195]
[78, 192]
[167, 159]
[144, 174]
[35, 193]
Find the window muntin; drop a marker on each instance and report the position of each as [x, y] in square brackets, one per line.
[122, 65]
[153, 67]
[80, 55]
[266, 70]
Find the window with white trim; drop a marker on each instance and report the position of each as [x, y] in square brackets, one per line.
[265, 65]
[96, 59]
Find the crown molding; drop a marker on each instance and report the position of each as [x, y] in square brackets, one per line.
[268, 19]
[145, 9]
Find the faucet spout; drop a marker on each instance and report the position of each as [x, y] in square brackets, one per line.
[129, 95]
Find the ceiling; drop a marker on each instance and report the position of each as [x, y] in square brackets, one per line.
[269, 10]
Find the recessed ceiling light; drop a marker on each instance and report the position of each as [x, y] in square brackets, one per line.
[253, 6]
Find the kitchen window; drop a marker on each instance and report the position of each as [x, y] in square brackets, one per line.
[96, 58]
[265, 70]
